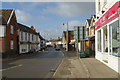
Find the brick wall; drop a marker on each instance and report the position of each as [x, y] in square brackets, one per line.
[9, 37]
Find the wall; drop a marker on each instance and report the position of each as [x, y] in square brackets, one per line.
[10, 36]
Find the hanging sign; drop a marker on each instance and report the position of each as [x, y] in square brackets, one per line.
[108, 16]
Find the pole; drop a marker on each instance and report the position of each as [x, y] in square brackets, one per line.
[77, 42]
[68, 38]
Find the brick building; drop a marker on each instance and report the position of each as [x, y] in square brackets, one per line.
[67, 38]
[89, 44]
[8, 32]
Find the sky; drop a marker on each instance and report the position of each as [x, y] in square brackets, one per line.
[48, 17]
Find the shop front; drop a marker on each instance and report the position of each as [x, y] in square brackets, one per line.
[107, 37]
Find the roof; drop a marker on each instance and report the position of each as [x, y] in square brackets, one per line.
[6, 13]
[89, 21]
[41, 37]
[24, 28]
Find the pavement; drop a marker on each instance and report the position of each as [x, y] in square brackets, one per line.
[76, 68]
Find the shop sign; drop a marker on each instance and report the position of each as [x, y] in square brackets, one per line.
[108, 16]
[87, 44]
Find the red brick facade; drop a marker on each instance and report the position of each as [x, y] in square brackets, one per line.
[5, 41]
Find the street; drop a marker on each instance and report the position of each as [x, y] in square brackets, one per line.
[39, 66]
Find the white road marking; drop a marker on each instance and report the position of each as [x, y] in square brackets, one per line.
[10, 67]
[52, 51]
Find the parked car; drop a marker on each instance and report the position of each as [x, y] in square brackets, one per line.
[57, 48]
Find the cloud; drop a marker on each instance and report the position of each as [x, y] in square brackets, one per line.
[53, 33]
[71, 9]
[71, 24]
[44, 18]
[22, 16]
[48, 0]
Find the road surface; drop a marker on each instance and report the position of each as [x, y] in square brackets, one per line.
[38, 66]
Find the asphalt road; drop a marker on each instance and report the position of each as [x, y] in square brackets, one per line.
[38, 66]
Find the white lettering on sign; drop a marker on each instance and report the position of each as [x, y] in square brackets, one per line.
[112, 15]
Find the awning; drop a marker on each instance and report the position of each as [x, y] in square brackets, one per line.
[72, 42]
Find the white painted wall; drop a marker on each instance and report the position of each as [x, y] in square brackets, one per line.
[113, 62]
[23, 46]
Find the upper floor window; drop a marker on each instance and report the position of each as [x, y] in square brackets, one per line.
[25, 36]
[11, 29]
[21, 35]
[36, 38]
[28, 36]
[32, 37]
[2, 31]
[99, 5]
[105, 1]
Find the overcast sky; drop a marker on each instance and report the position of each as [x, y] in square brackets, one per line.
[48, 17]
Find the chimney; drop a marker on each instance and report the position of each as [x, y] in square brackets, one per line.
[32, 27]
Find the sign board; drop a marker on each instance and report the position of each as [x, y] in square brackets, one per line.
[108, 16]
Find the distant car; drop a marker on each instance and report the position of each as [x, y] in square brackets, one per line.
[57, 48]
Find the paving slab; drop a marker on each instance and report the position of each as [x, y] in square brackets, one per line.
[83, 69]
[98, 70]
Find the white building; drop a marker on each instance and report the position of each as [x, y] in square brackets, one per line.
[107, 32]
[29, 39]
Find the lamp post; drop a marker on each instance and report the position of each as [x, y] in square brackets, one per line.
[67, 37]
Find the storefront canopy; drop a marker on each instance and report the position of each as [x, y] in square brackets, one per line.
[72, 42]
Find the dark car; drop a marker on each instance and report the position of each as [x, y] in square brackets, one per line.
[57, 48]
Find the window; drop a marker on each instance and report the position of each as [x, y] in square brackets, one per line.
[92, 32]
[98, 5]
[26, 36]
[11, 29]
[37, 38]
[105, 1]
[105, 40]
[11, 44]
[32, 37]
[99, 40]
[114, 36]
[21, 36]
[2, 31]
[29, 36]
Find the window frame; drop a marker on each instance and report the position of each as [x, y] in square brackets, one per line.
[11, 29]
[11, 44]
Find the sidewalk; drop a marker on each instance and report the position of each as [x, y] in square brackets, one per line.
[87, 68]
[19, 56]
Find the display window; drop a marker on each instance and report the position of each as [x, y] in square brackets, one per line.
[105, 40]
[99, 40]
[113, 41]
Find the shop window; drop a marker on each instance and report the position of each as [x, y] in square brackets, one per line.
[99, 40]
[114, 33]
[105, 40]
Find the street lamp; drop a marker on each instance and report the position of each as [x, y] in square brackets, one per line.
[67, 37]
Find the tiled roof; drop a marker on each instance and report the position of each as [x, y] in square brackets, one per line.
[5, 15]
[24, 28]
